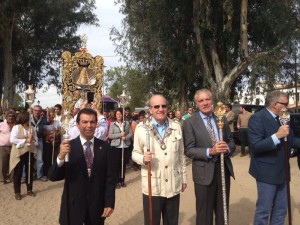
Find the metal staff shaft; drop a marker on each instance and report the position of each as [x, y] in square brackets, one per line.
[29, 153]
[223, 181]
[149, 179]
[53, 142]
[67, 189]
[67, 196]
[122, 163]
[287, 178]
[284, 119]
[220, 112]
[66, 136]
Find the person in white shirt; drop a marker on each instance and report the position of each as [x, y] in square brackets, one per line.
[24, 141]
[101, 128]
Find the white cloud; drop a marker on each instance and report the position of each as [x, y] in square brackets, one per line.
[98, 43]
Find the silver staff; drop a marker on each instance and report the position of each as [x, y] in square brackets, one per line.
[29, 96]
[220, 112]
[123, 102]
[66, 125]
[284, 119]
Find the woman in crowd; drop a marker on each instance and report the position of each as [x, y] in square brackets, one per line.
[171, 115]
[120, 135]
[24, 141]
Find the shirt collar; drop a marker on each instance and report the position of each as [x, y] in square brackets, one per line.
[165, 125]
[273, 114]
[203, 116]
[83, 140]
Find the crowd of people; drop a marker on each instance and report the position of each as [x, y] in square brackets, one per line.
[102, 145]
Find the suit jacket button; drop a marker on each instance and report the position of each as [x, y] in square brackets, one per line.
[166, 167]
[166, 180]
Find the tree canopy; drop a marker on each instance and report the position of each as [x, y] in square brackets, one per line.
[182, 45]
[33, 35]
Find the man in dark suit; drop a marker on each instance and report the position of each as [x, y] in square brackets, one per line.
[92, 176]
[267, 164]
[205, 150]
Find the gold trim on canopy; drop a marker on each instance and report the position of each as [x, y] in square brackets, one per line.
[81, 72]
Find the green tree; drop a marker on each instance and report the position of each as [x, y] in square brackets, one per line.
[158, 38]
[133, 81]
[33, 35]
[187, 44]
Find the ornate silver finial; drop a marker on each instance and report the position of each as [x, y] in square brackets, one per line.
[284, 117]
[83, 39]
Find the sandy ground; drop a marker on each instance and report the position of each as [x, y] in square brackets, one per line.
[44, 208]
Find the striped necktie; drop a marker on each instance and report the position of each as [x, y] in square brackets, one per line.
[210, 130]
[88, 152]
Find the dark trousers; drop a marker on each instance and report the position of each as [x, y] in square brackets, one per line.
[18, 172]
[88, 221]
[127, 154]
[47, 155]
[118, 155]
[209, 199]
[167, 208]
[4, 162]
[243, 135]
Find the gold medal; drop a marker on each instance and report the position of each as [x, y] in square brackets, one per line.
[89, 172]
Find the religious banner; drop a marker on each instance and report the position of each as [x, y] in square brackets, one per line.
[81, 73]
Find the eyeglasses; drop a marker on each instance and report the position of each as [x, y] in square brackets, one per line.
[283, 103]
[158, 106]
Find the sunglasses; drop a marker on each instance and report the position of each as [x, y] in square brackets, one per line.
[283, 103]
[158, 106]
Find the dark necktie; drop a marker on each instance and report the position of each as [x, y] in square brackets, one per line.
[277, 120]
[88, 153]
[210, 130]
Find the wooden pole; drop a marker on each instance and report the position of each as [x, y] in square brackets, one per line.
[147, 127]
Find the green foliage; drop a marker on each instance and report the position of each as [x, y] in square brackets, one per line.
[158, 37]
[18, 102]
[133, 81]
[42, 30]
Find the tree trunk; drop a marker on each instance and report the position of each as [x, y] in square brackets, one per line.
[8, 85]
[244, 29]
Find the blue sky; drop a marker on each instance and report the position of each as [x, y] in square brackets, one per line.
[98, 43]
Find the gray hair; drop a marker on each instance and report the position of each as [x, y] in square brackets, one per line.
[202, 91]
[273, 97]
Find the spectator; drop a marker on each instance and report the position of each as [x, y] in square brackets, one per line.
[188, 113]
[120, 135]
[24, 141]
[5, 145]
[242, 125]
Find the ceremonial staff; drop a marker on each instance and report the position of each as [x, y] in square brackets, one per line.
[284, 118]
[53, 143]
[147, 126]
[29, 96]
[123, 102]
[220, 112]
[66, 136]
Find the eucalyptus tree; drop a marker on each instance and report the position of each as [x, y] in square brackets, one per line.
[33, 36]
[186, 44]
[133, 81]
[158, 37]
